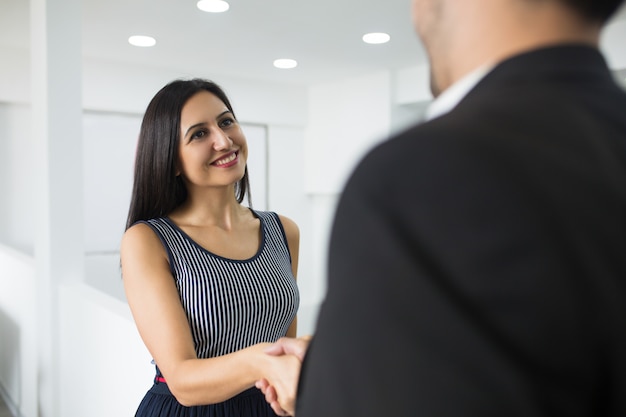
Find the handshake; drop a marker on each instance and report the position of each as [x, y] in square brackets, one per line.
[280, 386]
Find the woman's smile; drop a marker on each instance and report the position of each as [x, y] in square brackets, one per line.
[227, 161]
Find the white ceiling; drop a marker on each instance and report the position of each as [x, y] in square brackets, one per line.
[324, 36]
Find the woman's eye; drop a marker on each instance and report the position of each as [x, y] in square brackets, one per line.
[227, 122]
[198, 134]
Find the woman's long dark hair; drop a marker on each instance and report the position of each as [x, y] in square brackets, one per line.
[157, 190]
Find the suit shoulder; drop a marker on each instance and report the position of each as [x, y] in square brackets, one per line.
[412, 148]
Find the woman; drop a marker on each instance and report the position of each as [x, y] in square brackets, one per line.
[210, 282]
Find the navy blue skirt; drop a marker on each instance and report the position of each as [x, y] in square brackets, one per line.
[159, 402]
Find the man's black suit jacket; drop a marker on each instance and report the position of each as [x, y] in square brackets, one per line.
[477, 264]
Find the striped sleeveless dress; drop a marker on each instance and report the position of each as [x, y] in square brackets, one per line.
[230, 305]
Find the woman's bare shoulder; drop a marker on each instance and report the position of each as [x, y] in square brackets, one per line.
[290, 226]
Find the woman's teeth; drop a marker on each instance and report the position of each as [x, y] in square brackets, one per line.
[226, 160]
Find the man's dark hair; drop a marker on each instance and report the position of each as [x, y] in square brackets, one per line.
[596, 10]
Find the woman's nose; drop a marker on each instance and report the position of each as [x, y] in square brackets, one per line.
[221, 141]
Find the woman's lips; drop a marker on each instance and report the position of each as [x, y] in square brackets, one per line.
[226, 161]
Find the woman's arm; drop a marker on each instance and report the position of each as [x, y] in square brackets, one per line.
[293, 242]
[164, 328]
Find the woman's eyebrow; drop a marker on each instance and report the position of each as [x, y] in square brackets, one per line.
[204, 123]
[193, 127]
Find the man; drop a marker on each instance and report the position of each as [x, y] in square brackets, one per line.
[477, 264]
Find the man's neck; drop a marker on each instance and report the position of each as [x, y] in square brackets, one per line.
[504, 31]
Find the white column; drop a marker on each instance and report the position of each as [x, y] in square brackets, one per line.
[57, 165]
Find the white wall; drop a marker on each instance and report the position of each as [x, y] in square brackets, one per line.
[18, 336]
[106, 367]
[128, 89]
[613, 44]
[17, 214]
[14, 75]
[345, 119]
[109, 142]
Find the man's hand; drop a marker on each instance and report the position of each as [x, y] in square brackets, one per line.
[290, 346]
[280, 394]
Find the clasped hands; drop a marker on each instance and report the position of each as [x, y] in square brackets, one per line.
[281, 384]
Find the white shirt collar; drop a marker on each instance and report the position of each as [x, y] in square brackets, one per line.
[456, 92]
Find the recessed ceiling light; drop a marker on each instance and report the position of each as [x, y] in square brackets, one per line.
[144, 41]
[285, 63]
[213, 6]
[376, 38]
